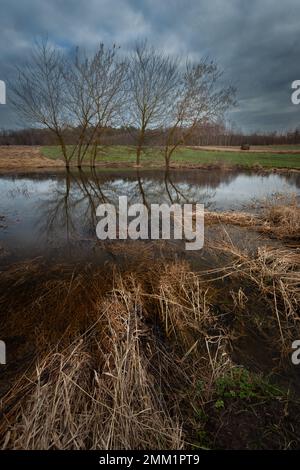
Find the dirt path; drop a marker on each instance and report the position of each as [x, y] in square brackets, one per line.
[253, 149]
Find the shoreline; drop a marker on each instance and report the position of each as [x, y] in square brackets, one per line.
[21, 159]
[21, 170]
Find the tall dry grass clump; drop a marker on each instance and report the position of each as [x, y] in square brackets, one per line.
[101, 392]
[283, 220]
[187, 313]
[76, 403]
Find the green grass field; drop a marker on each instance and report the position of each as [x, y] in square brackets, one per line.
[153, 157]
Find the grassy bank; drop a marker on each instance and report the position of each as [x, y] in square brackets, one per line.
[188, 157]
[153, 355]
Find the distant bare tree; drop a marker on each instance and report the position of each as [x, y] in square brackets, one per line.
[152, 78]
[198, 99]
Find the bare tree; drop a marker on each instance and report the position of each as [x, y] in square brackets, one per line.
[110, 95]
[152, 78]
[39, 92]
[198, 99]
[81, 96]
[96, 96]
[80, 102]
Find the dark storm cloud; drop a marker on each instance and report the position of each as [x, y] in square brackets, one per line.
[256, 42]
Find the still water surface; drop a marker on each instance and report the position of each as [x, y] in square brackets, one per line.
[54, 213]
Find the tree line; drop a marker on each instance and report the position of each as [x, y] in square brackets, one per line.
[81, 99]
[209, 134]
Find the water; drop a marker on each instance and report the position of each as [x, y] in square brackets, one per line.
[54, 213]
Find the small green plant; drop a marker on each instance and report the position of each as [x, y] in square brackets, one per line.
[236, 384]
[242, 384]
[219, 405]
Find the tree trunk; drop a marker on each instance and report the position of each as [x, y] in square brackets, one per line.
[140, 146]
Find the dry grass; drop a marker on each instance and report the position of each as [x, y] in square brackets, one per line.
[281, 221]
[119, 354]
[101, 391]
[14, 157]
[76, 402]
[114, 385]
[271, 277]
[242, 219]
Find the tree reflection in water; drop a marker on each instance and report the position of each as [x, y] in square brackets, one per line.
[69, 214]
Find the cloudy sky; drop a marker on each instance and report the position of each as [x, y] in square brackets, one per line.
[256, 42]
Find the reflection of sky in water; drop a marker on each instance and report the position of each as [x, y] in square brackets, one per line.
[46, 212]
[246, 188]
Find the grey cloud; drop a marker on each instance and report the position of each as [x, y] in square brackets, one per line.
[256, 42]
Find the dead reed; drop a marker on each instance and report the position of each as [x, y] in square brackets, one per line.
[277, 219]
[128, 358]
